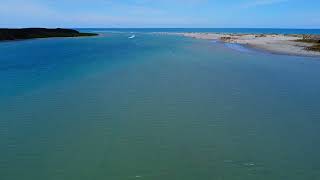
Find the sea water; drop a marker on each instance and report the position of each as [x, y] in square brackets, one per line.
[156, 107]
[209, 30]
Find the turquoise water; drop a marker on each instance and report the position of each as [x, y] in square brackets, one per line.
[156, 107]
[212, 30]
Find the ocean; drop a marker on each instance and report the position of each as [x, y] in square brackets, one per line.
[156, 107]
[208, 30]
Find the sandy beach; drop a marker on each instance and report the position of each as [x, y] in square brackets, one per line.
[275, 43]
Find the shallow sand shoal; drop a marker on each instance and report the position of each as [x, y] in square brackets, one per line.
[276, 43]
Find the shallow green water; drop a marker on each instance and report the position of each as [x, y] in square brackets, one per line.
[156, 107]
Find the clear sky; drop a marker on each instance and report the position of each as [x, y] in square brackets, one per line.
[160, 13]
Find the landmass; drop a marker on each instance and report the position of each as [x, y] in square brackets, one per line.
[31, 33]
[292, 44]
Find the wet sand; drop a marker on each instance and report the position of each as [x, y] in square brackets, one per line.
[275, 43]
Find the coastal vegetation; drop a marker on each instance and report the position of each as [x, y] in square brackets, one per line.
[314, 48]
[314, 39]
[31, 33]
[292, 44]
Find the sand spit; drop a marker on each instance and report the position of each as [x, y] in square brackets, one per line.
[276, 43]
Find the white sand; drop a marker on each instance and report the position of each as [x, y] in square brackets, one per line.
[277, 43]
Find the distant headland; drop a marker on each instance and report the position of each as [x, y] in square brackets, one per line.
[32, 33]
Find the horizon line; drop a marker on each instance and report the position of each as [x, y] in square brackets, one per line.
[318, 28]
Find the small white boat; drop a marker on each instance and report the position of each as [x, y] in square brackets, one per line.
[131, 37]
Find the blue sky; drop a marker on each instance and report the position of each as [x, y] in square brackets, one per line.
[161, 13]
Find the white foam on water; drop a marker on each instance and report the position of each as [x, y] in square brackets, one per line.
[238, 47]
[131, 37]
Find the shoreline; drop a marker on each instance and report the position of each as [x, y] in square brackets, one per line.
[284, 44]
[39, 33]
[48, 38]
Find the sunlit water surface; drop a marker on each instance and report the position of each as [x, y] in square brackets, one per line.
[156, 107]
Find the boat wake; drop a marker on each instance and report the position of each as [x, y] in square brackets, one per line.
[131, 37]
